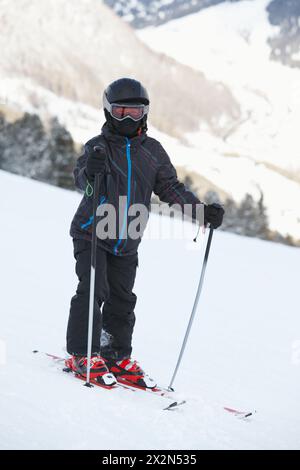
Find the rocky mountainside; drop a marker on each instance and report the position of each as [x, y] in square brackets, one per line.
[141, 13]
[74, 49]
[285, 14]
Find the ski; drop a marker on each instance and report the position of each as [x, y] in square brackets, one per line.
[159, 391]
[120, 384]
[156, 390]
[174, 405]
[239, 414]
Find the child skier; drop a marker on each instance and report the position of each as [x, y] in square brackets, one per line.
[134, 165]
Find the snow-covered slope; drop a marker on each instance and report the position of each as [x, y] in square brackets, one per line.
[76, 49]
[258, 150]
[232, 47]
[240, 174]
[243, 352]
[261, 150]
[284, 14]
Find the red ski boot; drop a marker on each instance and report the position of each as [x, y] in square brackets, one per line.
[98, 371]
[129, 371]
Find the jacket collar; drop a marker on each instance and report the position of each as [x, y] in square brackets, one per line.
[120, 139]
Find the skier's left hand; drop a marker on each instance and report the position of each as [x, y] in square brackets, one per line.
[213, 215]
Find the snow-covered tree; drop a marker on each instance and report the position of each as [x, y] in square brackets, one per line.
[30, 149]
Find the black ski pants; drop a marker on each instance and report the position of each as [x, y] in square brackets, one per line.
[115, 276]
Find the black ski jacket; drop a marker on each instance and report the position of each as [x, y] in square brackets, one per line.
[137, 167]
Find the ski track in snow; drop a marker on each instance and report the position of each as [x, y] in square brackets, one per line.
[242, 350]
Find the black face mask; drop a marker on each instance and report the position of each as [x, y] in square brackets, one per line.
[126, 128]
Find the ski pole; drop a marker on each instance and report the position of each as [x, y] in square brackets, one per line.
[211, 230]
[92, 277]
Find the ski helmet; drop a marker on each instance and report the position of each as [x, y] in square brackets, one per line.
[125, 90]
[130, 96]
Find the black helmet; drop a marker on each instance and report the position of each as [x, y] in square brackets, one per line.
[125, 90]
[129, 92]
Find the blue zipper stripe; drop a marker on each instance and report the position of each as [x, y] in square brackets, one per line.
[90, 221]
[128, 156]
[133, 201]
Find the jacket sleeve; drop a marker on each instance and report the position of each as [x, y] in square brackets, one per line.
[170, 190]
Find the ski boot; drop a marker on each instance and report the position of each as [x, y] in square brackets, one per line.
[129, 371]
[98, 371]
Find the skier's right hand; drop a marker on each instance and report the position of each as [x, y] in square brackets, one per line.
[213, 215]
[96, 163]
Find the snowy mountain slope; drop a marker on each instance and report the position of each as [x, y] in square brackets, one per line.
[238, 175]
[264, 132]
[141, 13]
[76, 50]
[285, 14]
[23, 95]
[243, 352]
[232, 46]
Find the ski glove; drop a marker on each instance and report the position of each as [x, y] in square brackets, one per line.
[213, 215]
[96, 163]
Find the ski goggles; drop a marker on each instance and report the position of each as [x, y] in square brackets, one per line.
[121, 111]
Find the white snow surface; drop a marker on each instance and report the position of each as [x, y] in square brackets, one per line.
[243, 352]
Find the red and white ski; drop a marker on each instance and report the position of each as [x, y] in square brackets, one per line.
[159, 391]
[121, 383]
[239, 414]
